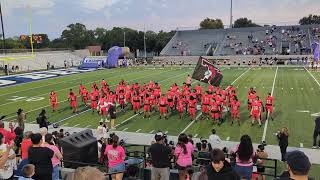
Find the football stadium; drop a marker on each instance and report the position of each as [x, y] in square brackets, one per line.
[216, 101]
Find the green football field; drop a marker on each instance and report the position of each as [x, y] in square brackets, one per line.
[295, 89]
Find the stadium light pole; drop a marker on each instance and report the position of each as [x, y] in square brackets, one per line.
[231, 1]
[3, 36]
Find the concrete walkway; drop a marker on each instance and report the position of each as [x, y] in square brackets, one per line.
[145, 139]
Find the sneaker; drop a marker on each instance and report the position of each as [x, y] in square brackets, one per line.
[107, 121]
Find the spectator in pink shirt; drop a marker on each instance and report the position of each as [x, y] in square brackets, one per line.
[116, 156]
[183, 153]
[56, 157]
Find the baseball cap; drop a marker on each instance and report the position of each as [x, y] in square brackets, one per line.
[158, 136]
[298, 162]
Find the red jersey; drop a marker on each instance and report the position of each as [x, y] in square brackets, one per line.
[192, 103]
[210, 88]
[147, 101]
[269, 101]
[214, 107]
[235, 105]
[53, 97]
[251, 98]
[111, 98]
[205, 100]
[170, 95]
[256, 106]
[198, 89]
[163, 101]
[93, 97]
[136, 99]
[84, 93]
[103, 83]
[121, 97]
[72, 97]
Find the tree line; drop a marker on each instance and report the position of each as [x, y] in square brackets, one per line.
[77, 36]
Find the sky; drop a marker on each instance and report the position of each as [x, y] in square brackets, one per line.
[52, 16]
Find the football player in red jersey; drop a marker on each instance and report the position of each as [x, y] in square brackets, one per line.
[53, 100]
[198, 89]
[103, 83]
[147, 106]
[269, 106]
[205, 103]
[181, 105]
[136, 102]
[163, 103]
[93, 104]
[256, 111]
[170, 97]
[121, 99]
[85, 96]
[81, 87]
[72, 98]
[214, 111]
[251, 97]
[103, 108]
[192, 106]
[235, 110]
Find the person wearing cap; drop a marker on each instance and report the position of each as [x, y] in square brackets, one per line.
[316, 133]
[298, 166]
[160, 158]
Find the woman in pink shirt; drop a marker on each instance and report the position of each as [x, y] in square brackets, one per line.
[116, 156]
[56, 157]
[183, 153]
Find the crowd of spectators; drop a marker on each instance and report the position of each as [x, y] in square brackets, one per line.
[30, 155]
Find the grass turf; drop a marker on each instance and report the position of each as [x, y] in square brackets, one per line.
[294, 91]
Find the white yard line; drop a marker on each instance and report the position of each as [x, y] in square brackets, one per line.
[301, 145]
[166, 132]
[138, 130]
[192, 122]
[65, 124]
[126, 120]
[88, 126]
[33, 122]
[312, 76]
[228, 138]
[267, 120]
[76, 125]
[124, 129]
[62, 120]
[196, 135]
[151, 132]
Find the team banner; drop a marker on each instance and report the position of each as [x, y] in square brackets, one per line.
[207, 73]
[316, 51]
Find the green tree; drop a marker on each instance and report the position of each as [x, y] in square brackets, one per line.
[311, 19]
[244, 22]
[211, 24]
[76, 36]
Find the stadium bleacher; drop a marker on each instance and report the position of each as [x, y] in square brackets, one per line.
[270, 40]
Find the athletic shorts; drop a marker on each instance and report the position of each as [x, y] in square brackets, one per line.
[54, 104]
[269, 108]
[235, 114]
[171, 104]
[73, 104]
[256, 115]
[146, 108]
[103, 111]
[192, 111]
[163, 110]
[215, 115]
[93, 104]
[136, 105]
[204, 108]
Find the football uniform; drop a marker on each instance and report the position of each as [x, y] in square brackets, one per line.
[170, 97]
[215, 110]
[147, 104]
[205, 104]
[136, 102]
[163, 105]
[93, 99]
[53, 100]
[269, 104]
[235, 106]
[256, 109]
[192, 107]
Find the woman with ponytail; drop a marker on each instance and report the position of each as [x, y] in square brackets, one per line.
[183, 153]
[116, 156]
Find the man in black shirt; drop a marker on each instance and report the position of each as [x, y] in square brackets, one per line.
[298, 167]
[40, 157]
[220, 168]
[112, 113]
[316, 132]
[160, 158]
